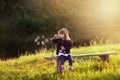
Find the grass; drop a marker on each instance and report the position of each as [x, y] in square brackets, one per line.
[35, 67]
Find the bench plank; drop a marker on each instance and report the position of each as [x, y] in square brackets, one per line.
[86, 55]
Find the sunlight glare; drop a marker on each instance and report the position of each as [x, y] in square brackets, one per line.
[108, 9]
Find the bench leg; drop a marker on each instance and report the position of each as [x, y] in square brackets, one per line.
[58, 66]
[105, 58]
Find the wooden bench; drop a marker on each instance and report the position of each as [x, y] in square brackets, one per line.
[103, 55]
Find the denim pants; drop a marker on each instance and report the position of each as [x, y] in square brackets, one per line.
[64, 58]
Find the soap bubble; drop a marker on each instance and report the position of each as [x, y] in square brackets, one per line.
[46, 40]
[38, 43]
[43, 43]
[38, 37]
[43, 36]
[35, 40]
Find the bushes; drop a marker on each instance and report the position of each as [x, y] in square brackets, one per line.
[20, 26]
[22, 21]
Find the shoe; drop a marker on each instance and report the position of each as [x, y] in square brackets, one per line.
[71, 69]
[62, 68]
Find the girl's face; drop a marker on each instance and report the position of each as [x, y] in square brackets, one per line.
[62, 36]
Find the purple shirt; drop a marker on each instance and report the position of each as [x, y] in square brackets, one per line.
[65, 43]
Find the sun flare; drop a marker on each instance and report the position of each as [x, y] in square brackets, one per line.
[108, 9]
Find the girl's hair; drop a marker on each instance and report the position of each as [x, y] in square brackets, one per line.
[65, 32]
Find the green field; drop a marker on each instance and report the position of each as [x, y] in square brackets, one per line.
[35, 67]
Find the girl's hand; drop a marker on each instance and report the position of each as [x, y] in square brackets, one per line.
[56, 36]
[62, 48]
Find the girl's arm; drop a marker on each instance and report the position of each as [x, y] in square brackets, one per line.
[55, 38]
[68, 47]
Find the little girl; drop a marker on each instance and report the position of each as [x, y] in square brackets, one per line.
[63, 42]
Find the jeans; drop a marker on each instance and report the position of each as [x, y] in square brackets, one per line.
[64, 58]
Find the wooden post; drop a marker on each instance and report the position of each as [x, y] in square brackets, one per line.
[58, 65]
[105, 58]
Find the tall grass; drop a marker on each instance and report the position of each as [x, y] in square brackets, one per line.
[35, 67]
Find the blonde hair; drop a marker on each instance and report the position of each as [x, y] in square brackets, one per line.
[65, 32]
